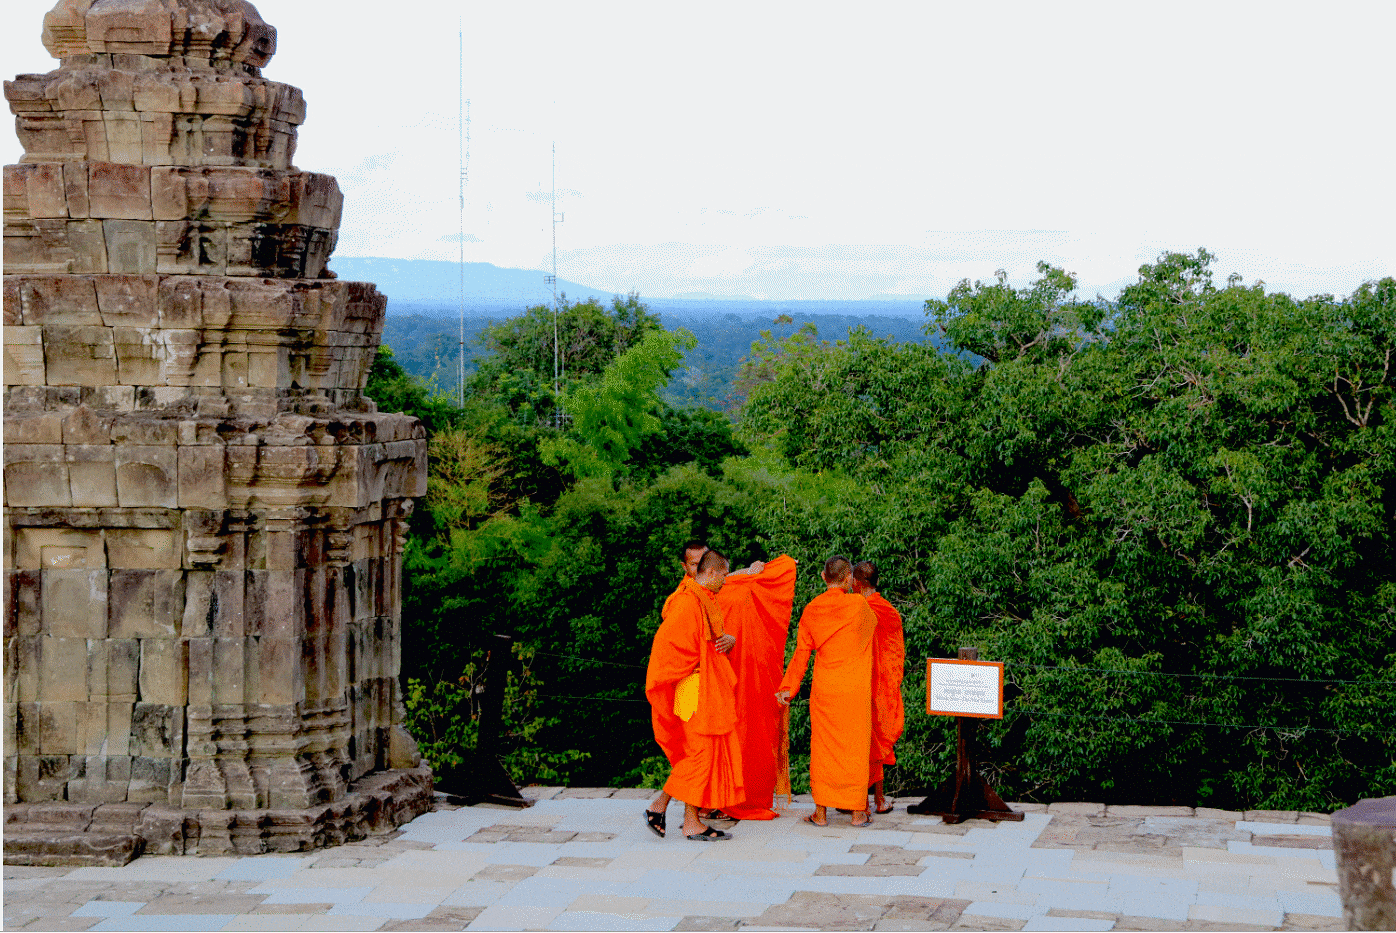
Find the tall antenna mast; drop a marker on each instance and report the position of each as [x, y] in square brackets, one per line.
[559, 364]
[463, 119]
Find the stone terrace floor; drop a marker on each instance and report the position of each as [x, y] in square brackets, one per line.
[582, 859]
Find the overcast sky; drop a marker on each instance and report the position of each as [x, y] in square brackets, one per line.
[814, 150]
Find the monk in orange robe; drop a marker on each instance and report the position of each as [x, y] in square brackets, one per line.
[889, 664]
[837, 627]
[704, 754]
[689, 555]
[756, 610]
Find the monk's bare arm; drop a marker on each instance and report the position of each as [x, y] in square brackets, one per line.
[799, 662]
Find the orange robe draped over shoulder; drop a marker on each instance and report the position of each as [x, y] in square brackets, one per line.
[838, 628]
[704, 753]
[889, 664]
[756, 610]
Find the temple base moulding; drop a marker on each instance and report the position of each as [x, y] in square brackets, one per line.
[61, 833]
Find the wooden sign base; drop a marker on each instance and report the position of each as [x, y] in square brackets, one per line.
[966, 796]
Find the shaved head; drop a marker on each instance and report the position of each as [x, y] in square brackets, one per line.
[712, 571]
[837, 571]
[712, 560]
[865, 574]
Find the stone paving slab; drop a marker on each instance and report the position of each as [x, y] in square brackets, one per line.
[583, 859]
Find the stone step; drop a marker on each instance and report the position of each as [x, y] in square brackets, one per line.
[57, 844]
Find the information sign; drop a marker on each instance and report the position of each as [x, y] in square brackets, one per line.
[964, 688]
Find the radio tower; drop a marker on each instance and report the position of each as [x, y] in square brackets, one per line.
[463, 120]
[559, 365]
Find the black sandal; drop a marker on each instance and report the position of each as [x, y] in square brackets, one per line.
[709, 835]
[655, 821]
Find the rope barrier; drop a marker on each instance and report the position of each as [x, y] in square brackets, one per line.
[1180, 722]
[576, 657]
[597, 698]
[1076, 670]
[1285, 680]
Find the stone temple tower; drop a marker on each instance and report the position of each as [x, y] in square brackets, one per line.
[203, 515]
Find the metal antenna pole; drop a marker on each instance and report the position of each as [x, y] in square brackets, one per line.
[557, 219]
[463, 119]
[557, 354]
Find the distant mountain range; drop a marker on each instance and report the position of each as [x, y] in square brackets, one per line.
[432, 288]
[432, 281]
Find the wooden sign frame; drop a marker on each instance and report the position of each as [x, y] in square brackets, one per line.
[943, 712]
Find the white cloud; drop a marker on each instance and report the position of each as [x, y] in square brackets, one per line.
[1089, 134]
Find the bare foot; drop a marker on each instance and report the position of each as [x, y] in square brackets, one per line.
[866, 819]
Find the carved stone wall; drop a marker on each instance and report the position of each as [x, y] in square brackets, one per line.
[203, 515]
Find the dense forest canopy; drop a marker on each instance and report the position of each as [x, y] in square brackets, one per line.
[426, 339]
[1169, 514]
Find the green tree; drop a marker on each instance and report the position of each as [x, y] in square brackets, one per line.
[1139, 503]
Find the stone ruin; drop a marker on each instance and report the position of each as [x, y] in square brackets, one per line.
[204, 517]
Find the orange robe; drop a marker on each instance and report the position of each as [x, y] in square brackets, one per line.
[756, 609]
[704, 754]
[889, 664]
[839, 626]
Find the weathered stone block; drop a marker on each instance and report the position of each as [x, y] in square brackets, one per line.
[59, 299]
[164, 671]
[140, 355]
[62, 669]
[147, 476]
[83, 426]
[42, 777]
[21, 729]
[229, 664]
[24, 356]
[10, 302]
[157, 731]
[123, 660]
[79, 356]
[143, 548]
[130, 246]
[91, 476]
[23, 661]
[75, 189]
[118, 192]
[145, 603]
[75, 603]
[36, 475]
[128, 300]
[58, 727]
[34, 428]
[152, 779]
[201, 477]
[35, 191]
[282, 678]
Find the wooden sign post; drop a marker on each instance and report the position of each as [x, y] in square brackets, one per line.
[968, 689]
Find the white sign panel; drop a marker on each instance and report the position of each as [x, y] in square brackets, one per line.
[965, 688]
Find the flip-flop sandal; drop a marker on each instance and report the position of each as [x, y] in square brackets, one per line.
[809, 818]
[709, 835]
[719, 815]
[867, 822]
[887, 809]
[655, 821]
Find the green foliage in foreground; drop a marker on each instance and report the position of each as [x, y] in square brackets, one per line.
[1171, 515]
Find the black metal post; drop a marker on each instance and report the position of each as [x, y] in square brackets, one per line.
[482, 779]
